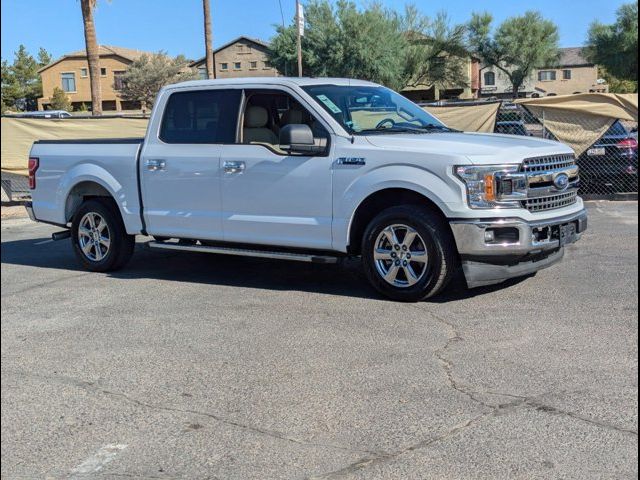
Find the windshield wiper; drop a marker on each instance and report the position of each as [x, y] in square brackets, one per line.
[439, 128]
[392, 130]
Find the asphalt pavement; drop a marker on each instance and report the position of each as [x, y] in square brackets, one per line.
[201, 366]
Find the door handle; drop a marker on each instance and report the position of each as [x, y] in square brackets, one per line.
[233, 167]
[155, 165]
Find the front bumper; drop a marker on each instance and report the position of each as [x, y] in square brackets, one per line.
[494, 250]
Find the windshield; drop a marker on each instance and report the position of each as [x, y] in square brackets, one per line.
[364, 110]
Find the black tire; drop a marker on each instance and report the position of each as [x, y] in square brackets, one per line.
[434, 236]
[120, 245]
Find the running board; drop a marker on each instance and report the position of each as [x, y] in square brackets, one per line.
[297, 257]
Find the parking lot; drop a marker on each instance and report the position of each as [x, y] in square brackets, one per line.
[208, 367]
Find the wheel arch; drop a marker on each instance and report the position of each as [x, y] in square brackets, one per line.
[83, 191]
[379, 200]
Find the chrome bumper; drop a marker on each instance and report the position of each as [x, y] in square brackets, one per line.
[495, 250]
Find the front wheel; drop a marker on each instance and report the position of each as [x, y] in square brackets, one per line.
[99, 238]
[408, 253]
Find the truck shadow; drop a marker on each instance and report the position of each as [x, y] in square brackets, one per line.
[343, 279]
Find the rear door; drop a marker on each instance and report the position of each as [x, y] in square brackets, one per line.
[180, 163]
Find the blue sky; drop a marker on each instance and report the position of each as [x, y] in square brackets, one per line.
[176, 25]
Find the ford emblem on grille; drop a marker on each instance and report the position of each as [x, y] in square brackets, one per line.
[561, 182]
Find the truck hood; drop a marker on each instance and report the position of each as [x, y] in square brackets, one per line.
[478, 148]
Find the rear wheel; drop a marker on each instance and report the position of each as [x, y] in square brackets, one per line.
[99, 238]
[408, 253]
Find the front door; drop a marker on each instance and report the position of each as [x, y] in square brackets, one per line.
[268, 196]
[180, 170]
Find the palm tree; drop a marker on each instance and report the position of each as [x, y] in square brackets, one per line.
[208, 40]
[93, 54]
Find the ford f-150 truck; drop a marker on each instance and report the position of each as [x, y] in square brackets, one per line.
[314, 170]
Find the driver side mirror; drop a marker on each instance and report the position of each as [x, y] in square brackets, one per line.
[298, 138]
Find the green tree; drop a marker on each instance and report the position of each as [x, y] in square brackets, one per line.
[374, 43]
[21, 84]
[615, 47]
[517, 47]
[435, 52]
[148, 74]
[59, 100]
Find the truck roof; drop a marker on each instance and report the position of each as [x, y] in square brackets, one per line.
[290, 81]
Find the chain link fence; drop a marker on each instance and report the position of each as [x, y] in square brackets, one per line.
[15, 188]
[606, 152]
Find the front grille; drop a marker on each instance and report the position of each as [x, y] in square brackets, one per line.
[551, 202]
[541, 190]
[552, 162]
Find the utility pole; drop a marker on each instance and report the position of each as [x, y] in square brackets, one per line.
[300, 31]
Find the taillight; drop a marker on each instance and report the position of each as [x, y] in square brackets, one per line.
[34, 163]
[628, 143]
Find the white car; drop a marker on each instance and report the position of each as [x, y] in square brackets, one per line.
[314, 170]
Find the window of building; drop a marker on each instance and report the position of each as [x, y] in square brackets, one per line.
[566, 74]
[253, 65]
[69, 82]
[224, 66]
[237, 65]
[205, 116]
[103, 72]
[84, 73]
[118, 81]
[202, 73]
[489, 78]
[546, 75]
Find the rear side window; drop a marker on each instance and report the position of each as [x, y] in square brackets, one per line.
[617, 129]
[204, 116]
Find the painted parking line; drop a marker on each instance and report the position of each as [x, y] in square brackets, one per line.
[96, 461]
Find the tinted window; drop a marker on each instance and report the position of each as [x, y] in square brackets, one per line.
[205, 116]
[617, 129]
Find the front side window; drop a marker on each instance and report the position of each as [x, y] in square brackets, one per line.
[69, 82]
[203, 116]
[489, 78]
[546, 75]
[369, 109]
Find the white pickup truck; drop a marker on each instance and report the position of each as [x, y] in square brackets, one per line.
[314, 170]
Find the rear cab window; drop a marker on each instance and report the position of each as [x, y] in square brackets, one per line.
[201, 116]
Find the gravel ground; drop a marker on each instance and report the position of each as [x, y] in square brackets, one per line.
[202, 367]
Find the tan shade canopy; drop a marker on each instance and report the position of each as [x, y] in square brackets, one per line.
[580, 120]
[468, 118]
[18, 134]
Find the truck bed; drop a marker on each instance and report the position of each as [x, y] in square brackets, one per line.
[108, 162]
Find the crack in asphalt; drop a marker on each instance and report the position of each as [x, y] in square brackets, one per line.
[45, 284]
[371, 457]
[92, 387]
[493, 410]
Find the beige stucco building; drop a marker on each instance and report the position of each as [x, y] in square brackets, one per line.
[71, 74]
[574, 74]
[466, 89]
[242, 57]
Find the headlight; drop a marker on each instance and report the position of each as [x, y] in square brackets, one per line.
[492, 186]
